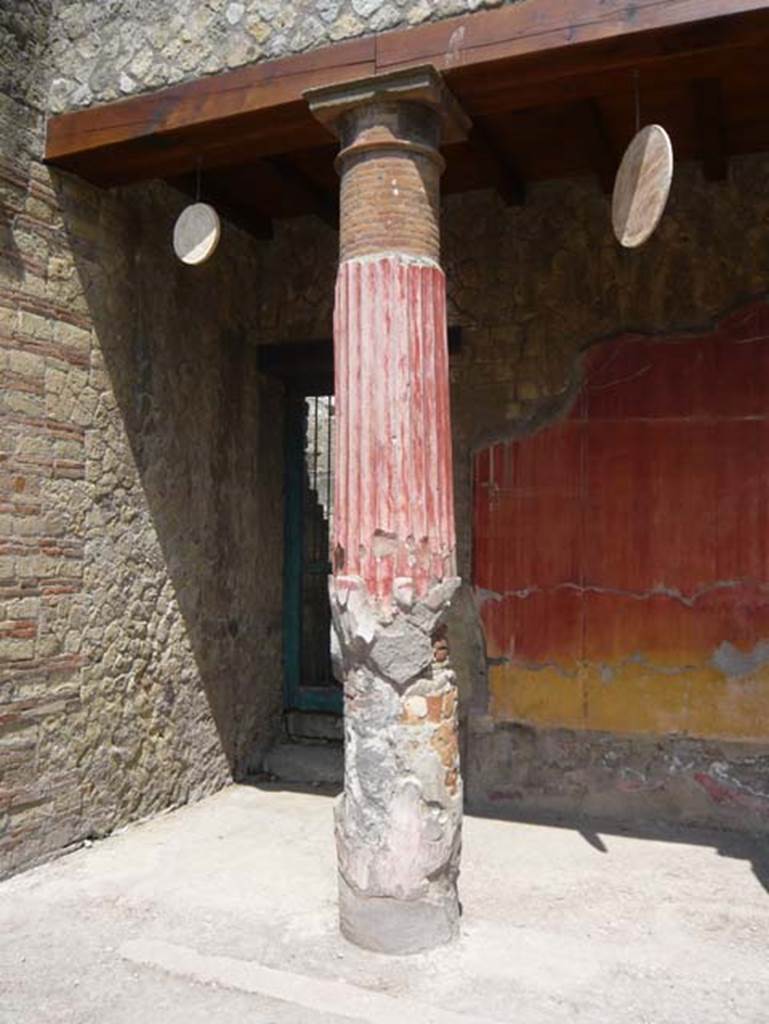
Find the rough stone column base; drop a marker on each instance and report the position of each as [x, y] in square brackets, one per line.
[384, 924]
[398, 824]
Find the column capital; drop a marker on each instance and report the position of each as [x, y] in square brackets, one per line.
[423, 85]
[390, 128]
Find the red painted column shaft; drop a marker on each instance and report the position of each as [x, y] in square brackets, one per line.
[394, 509]
[398, 823]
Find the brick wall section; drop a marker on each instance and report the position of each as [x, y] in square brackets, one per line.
[140, 499]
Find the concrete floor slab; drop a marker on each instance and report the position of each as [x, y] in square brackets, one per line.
[225, 911]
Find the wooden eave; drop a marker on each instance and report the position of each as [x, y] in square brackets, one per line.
[519, 71]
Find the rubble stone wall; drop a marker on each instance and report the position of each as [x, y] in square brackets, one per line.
[141, 505]
[537, 289]
[106, 49]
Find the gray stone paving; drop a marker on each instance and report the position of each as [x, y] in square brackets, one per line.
[225, 911]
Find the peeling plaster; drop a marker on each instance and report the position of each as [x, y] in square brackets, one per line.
[735, 663]
[689, 600]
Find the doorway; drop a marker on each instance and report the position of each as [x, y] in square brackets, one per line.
[310, 684]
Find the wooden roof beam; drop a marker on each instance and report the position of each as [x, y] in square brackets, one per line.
[322, 204]
[544, 40]
[708, 101]
[507, 180]
[490, 60]
[241, 217]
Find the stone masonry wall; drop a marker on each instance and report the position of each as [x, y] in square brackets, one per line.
[535, 288]
[140, 497]
[140, 512]
[104, 49]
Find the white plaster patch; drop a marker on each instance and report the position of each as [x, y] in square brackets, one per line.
[320, 995]
[454, 49]
[416, 707]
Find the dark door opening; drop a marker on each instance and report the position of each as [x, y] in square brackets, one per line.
[309, 680]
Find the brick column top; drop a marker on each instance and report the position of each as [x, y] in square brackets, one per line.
[390, 128]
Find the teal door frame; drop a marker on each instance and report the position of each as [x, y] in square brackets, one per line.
[298, 693]
[304, 368]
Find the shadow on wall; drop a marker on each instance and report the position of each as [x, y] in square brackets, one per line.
[11, 265]
[183, 501]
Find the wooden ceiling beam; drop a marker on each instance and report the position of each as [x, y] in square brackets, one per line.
[707, 96]
[580, 74]
[489, 58]
[322, 204]
[508, 94]
[505, 176]
[584, 34]
[599, 149]
[239, 216]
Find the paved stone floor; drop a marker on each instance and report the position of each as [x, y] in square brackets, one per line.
[224, 912]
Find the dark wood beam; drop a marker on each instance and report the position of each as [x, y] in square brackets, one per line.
[322, 204]
[239, 216]
[708, 101]
[312, 362]
[583, 34]
[493, 60]
[574, 70]
[505, 176]
[599, 149]
[255, 98]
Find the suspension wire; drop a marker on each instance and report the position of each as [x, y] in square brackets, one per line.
[329, 443]
[636, 77]
[197, 179]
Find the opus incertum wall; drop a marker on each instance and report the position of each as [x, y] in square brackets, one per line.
[139, 648]
[98, 53]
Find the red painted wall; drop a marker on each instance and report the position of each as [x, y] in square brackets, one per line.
[621, 556]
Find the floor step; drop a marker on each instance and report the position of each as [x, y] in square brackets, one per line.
[313, 763]
[314, 725]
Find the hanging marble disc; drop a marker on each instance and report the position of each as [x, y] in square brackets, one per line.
[642, 186]
[196, 233]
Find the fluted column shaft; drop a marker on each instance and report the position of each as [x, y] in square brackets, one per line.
[394, 496]
[398, 822]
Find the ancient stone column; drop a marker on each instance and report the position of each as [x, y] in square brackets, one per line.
[398, 822]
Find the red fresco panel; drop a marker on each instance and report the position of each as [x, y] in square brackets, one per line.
[541, 494]
[641, 536]
[741, 454]
[665, 630]
[482, 544]
[543, 627]
[668, 632]
[651, 379]
[651, 505]
[741, 377]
